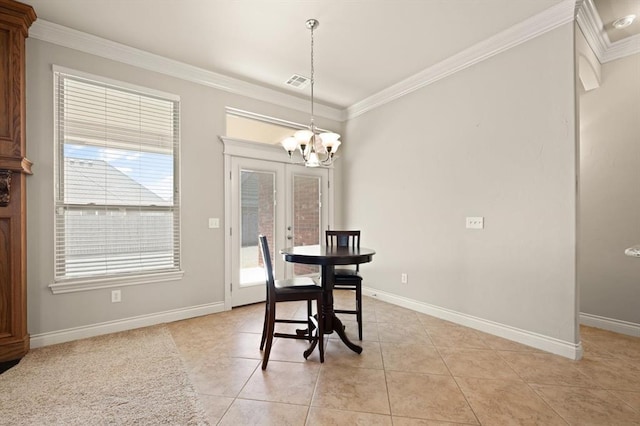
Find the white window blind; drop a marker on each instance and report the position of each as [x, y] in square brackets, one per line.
[117, 210]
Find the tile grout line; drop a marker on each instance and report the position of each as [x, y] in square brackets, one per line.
[610, 391]
[531, 388]
[315, 386]
[386, 383]
[454, 379]
[235, 398]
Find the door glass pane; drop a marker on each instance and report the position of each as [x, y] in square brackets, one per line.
[257, 190]
[306, 217]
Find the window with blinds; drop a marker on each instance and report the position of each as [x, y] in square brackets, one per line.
[117, 210]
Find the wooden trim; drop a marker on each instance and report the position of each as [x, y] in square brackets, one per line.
[15, 19]
[18, 165]
[17, 14]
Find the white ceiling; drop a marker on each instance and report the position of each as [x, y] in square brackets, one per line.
[361, 46]
[610, 10]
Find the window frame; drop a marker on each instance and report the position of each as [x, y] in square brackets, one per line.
[66, 284]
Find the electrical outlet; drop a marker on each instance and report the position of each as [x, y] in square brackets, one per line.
[403, 278]
[116, 296]
[475, 222]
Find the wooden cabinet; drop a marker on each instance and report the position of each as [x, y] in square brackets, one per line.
[15, 20]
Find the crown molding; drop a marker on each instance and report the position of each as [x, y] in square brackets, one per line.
[623, 48]
[592, 27]
[535, 26]
[564, 12]
[87, 43]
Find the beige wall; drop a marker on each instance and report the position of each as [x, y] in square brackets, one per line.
[203, 257]
[609, 208]
[494, 140]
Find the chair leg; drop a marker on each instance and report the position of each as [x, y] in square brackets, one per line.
[359, 310]
[264, 325]
[309, 322]
[320, 328]
[270, 329]
[314, 342]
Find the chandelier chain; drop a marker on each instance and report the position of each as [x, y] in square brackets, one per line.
[312, 76]
[317, 150]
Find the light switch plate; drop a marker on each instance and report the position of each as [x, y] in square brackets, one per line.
[214, 222]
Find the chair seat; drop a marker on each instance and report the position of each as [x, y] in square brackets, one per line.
[304, 284]
[347, 285]
[346, 272]
[352, 280]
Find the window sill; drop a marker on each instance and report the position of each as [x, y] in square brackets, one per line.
[72, 286]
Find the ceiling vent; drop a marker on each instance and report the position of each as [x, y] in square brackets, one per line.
[297, 81]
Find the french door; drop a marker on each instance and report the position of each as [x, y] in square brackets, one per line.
[285, 202]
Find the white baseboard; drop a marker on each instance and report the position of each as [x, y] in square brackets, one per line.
[618, 326]
[549, 344]
[70, 334]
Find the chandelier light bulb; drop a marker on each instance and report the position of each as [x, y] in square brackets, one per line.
[290, 144]
[313, 160]
[303, 136]
[330, 142]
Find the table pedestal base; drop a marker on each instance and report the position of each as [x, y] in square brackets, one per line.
[331, 321]
[336, 325]
[339, 328]
[314, 328]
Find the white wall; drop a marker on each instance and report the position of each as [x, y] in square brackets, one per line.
[202, 121]
[494, 140]
[609, 209]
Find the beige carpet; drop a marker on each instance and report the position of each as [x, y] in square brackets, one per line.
[134, 377]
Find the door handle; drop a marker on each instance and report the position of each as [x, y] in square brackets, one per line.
[289, 237]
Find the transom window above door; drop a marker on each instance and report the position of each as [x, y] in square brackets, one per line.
[249, 126]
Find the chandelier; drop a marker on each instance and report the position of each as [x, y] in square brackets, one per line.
[317, 149]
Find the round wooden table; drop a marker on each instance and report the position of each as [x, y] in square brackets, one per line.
[328, 258]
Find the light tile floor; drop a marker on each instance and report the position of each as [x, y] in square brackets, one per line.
[414, 370]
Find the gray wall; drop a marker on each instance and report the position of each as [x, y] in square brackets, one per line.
[609, 209]
[494, 140]
[203, 257]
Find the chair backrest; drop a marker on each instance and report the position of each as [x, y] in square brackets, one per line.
[268, 267]
[342, 238]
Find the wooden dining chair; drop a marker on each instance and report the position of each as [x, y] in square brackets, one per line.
[348, 278]
[296, 289]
